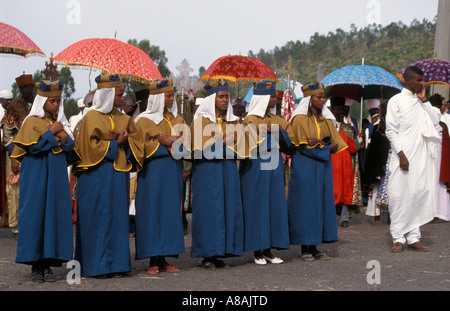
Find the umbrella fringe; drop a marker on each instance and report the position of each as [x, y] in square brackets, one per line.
[234, 79]
[101, 70]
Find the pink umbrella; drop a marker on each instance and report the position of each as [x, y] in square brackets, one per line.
[112, 56]
[15, 42]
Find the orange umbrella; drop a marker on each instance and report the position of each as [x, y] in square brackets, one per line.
[238, 68]
[15, 42]
[111, 56]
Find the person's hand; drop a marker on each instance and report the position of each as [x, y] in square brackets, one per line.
[62, 135]
[164, 139]
[228, 138]
[333, 147]
[422, 96]
[404, 163]
[55, 127]
[15, 166]
[312, 141]
[123, 137]
[120, 137]
[113, 135]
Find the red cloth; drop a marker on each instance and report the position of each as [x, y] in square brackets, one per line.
[343, 174]
[445, 160]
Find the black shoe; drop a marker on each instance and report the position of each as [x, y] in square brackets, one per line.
[208, 264]
[36, 274]
[48, 275]
[345, 224]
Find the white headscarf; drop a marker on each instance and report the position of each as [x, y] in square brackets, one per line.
[103, 101]
[258, 106]
[207, 109]
[303, 106]
[155, 109]
[37, 110]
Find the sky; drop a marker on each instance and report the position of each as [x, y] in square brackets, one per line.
[199, 31]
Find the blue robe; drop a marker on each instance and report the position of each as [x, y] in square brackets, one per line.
[312, 214]
[102, 239]
[159, 227]
[264, 197]
[217, 216]
[45, 211]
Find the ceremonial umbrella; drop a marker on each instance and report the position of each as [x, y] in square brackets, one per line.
[15, 42]
[111, 56]
[436, 71]
[238, 68]
[361, 82]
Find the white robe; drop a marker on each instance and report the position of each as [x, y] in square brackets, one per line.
[410, 127]
[443, 197]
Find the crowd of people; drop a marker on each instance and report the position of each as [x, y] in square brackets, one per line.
[255, 182]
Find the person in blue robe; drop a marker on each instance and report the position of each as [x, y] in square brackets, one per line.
[44, 147]
[312, 213]
[262, 177]
[110, 147]
[217, 216]
[159, 193]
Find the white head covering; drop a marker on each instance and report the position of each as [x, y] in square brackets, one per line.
[7, 94]
[155, 109]
[372, 103]
[348, 102]
[198, 101]
[80, 103]
[37, 110]
[103, 101]
[303, 106]
[258, 106]
[207, 109]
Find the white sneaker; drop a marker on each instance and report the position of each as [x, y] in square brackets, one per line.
[260, 261]
[273, 260]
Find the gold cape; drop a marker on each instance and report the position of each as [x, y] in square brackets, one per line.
[149, 131]
[304, 126]
[201, 135]
[254, 138]
[29, 134]
[93, 141]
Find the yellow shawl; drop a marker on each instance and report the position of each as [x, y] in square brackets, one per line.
[29, 134]
[304, 126]
[149, 131]
[93, 141]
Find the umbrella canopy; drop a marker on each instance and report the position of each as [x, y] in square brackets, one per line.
[238, 68]
[112, 56]
[360, 82]
[436, 71]
[15, 42]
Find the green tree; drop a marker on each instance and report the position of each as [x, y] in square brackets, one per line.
[156, 54]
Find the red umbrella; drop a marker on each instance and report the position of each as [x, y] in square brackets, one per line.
[238, 68]
[112, 56]
[15, 42]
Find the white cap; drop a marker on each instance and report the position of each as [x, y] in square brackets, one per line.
[6, 94]
[372, 103]
[348, 102]
[80, 103]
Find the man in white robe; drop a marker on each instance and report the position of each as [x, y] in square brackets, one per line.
[410, 128]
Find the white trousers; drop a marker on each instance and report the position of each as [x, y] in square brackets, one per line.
[411, 237]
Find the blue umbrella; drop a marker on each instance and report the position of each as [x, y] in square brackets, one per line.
[361, 82]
